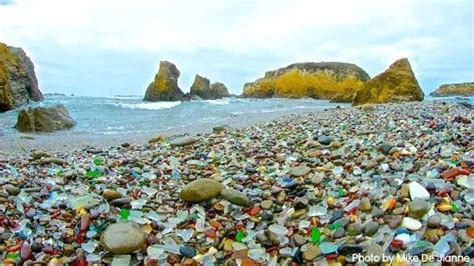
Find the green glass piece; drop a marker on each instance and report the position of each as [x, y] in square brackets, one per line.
[98, 160]
[454, 207]
[334, 226]
[315, 235]
[13, 255]
[101, 227]
[93, 173]
[240, 235]
[124, 214]
[341, 192]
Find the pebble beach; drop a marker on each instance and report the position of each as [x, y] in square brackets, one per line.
[325, 188]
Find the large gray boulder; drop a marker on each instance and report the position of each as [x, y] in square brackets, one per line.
[44, 119]
[18, 83]
[165, 85]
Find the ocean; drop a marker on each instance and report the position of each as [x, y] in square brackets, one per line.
[129, 114]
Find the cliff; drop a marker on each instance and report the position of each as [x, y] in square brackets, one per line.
[18, 82]
[454, 89]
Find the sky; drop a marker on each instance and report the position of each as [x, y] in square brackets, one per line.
[106, 48]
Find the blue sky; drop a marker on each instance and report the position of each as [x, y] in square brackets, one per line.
[105, 48]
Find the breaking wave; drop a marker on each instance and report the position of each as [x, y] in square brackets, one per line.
[149, 105]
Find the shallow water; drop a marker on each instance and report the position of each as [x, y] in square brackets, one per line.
[129, 114]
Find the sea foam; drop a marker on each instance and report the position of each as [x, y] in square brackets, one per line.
[149, 105]
[219, 101]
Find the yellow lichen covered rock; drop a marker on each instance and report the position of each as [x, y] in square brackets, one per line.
[219, 90]
[454, 89]
[200, 85]
[325, 80]
[165, 85]
[203, 88]
[18, 83]
[396, 84]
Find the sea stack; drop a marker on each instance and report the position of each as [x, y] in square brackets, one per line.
[201, 87]
[219, 89]
[465, 89]
[18, 83]
[396, 84]
[165, 85]
[324, 80]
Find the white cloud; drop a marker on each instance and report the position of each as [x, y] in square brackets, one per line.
[370, 33]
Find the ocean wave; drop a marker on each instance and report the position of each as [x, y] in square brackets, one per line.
[125, 97]
[219, 101]
[149, 105]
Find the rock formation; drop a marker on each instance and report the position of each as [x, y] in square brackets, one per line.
[396, 84]
[337, 69]
[18, 83]
[44, 119]
[201, 87]
[454, 89]
[165, 86]
[220, 90]
[324, 80]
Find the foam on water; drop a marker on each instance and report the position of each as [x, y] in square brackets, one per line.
[148, 105]
[125, 97]
[224, 101]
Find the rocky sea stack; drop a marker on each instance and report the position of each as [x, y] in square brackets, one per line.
[44, 119]
[18, 83]
[454, 89]
[396, 84]
[201, 87]
[324, 80]
[165, 86]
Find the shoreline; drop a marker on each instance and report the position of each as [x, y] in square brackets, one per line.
[20, 144]
[62, 141]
